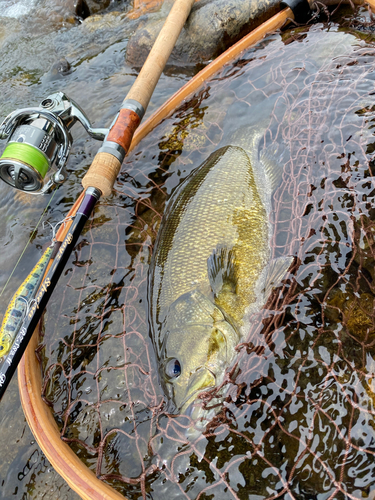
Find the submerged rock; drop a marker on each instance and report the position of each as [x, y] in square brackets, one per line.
[58, 70]
[96, 6]
[211, 28]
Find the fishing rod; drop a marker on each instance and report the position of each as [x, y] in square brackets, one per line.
[35, 157]
[39, 142]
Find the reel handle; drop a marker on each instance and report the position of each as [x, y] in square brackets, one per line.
[39, 143]
[105, 167]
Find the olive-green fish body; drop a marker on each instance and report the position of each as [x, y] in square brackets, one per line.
[17, 307]
[211, 267]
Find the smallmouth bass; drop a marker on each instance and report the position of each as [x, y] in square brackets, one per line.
[211, 269]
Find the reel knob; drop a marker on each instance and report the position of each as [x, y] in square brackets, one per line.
[20, 175]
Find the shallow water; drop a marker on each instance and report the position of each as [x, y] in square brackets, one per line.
[299, 417]
[16, 9]
[31, 43]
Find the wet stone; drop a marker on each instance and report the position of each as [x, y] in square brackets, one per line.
[58, 70]
[95, 6]
[213, 25]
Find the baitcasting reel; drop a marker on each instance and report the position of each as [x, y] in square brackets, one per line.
[39, 143]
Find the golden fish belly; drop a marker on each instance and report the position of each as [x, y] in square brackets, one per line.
[220, 205]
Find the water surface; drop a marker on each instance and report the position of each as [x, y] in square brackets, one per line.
[299, 417]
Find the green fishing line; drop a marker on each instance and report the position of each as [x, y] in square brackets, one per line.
[27, 154]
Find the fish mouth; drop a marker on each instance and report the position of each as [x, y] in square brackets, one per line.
[202, 416]
[187, 403]
[205, 379]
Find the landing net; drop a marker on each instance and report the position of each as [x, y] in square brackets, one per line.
[299, 418]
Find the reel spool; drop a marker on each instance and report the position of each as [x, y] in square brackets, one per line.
[39, 143]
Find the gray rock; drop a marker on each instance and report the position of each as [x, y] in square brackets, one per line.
[211, 28]
[58, 70]
[96, 6]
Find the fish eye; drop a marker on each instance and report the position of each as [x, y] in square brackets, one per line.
[172, 368]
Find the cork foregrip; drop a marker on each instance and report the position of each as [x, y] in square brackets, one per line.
[102, 173]
[105, 167]
[149, 75]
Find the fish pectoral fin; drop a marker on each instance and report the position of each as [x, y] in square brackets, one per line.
[272, 161]
[221, 270]
[276, 271]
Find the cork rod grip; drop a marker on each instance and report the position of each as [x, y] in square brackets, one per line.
[102, 173]
[105, 167]
[149, 75]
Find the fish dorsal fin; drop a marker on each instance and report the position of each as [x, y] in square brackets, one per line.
[276, 270]
[221, 270]
[271, 159]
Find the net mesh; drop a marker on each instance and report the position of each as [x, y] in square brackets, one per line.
[298, 420]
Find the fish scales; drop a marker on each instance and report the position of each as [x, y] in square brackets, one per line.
[211, 269]
[228, 211]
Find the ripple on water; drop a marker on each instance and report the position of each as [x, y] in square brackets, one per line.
[299, 417]
[16, 8]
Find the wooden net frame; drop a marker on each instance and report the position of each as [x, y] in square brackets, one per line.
[39, 417]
